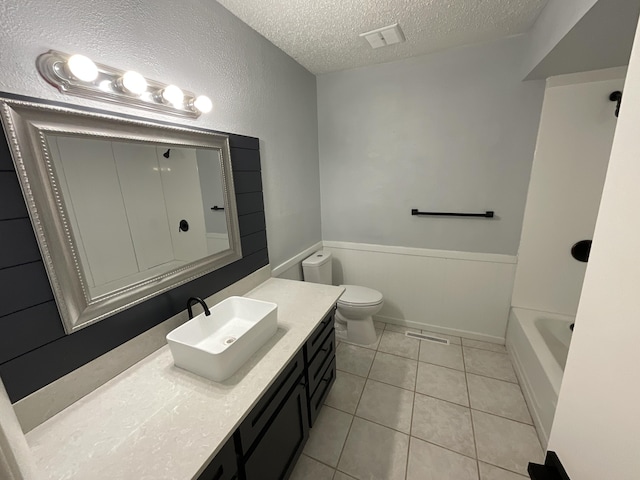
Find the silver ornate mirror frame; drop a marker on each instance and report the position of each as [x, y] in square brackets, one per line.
[26, 125]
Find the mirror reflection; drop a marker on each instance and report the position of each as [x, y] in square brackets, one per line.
[138, 210]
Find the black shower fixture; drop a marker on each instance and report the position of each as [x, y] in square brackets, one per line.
[616, 97]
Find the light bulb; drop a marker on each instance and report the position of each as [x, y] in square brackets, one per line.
[203, 104]
[173, 94]
[133, 82]
[82, 68]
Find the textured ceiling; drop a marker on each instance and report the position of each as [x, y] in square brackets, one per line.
[322, 35]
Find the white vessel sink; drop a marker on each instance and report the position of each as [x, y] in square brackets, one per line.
[217, 345]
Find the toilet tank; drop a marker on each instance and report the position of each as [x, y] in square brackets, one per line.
[317, 268]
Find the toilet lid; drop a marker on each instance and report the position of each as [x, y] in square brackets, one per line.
[355, 295]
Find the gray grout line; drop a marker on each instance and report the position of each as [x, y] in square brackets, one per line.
[354, 415]
[473, 430]
[413, 408]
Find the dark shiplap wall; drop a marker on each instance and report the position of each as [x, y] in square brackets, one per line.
[34, 350]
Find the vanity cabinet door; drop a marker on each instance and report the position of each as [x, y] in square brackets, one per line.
[275, 455]
[224, 466]
[253, 427]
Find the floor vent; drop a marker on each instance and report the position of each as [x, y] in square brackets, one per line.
[428, 338]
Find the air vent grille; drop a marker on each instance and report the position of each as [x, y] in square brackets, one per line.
[428, 338]
[382, 37]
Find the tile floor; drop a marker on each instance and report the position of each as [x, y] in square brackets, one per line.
[405, 409]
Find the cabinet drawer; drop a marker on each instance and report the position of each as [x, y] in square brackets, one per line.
[224, 466]
[317, 337]
[268, 405]
[316, 400]
[318, 365]
[275, 455]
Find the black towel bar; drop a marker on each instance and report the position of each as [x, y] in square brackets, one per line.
[487, 214]
[215, 208]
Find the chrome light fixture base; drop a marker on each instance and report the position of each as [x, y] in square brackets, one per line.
[108, 87]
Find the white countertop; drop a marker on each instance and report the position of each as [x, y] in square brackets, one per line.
[156, 421]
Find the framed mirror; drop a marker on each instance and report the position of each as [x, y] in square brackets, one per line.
[123, 209]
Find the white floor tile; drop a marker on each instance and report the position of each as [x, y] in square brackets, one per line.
[386, 405]
[430, 462]
[346, 391]
[374, 452]
[442, 382]
[399, 344]
[443, 355]
[444, 424]
[400, 329]
[394, 370]
[493, 347]
[498, 397]
[505, 443]
[341, 476]
[329, 433]
[489, 472]
[489, 364]
[355, 360]
[307, 468]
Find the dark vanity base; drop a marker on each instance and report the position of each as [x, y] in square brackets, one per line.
[269, 442]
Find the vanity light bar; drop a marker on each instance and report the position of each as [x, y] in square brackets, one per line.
[79, 75]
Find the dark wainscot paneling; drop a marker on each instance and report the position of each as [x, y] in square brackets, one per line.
[34, 350]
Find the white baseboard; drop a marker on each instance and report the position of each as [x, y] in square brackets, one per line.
[293, 261]
[443, 330]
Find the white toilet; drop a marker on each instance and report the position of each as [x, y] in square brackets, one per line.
[355, 306]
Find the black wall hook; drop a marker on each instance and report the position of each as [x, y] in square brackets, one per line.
[616, 97]
[167, 153]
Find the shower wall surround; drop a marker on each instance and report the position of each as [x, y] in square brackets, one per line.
[569, 168]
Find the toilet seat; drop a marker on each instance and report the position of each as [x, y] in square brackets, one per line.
[357, 296]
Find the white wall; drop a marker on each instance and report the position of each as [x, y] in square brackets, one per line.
[452, 131]
[257, 90]
[458, 293]
[597, 424]
[569, 168]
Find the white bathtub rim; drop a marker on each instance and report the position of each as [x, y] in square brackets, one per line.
[549, 363]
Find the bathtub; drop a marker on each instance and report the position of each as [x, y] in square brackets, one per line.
[538, 344]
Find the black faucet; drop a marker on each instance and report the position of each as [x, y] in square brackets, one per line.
[193, 300]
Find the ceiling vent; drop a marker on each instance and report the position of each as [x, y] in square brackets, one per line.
[381, 37]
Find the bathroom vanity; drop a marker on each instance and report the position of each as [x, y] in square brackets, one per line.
[158, 421]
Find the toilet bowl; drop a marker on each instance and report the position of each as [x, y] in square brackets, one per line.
[356, 305]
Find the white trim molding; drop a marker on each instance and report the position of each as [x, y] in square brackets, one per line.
[293, 261]
[467, 294]
[424, 252]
